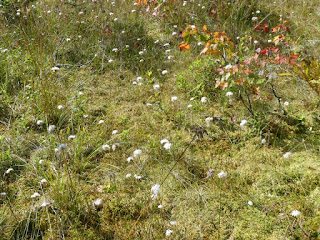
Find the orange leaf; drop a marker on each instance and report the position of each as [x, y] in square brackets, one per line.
[205, 29]
[222, 85]
[239, 81]
[141, 2]
[184, 46]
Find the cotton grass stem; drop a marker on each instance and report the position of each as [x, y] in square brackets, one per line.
[162, 182]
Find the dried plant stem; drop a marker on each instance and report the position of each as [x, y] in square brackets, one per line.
[162, 182]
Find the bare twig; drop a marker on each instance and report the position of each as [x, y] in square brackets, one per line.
[162, 182]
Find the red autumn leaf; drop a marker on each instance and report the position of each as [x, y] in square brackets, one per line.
[106, 31]
[263, 64]
[266, 29]
[257, 28]
[293, 58]
[247, 62]
[213, 11]
[274, 49]
[264, 52]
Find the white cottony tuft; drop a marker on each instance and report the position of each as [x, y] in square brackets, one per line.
[287, 155]
[167, 146]
[263, 141]
[168, 232]
[9, 170]
[155, 191]
[100, 122]
[114, 132]
[35, 195]
[55, 69]
[128, 175]
[51, 128]
[250, 203]
[137, 153]
[137, 176]
[160, 206]
[45, 204]
[173, 223]
[60, 107]
[229, 66]
[129, 159]
[222, 174]
[105, 147]
[204, 100]
[174, 98]
[41, 162]
[243, 123]
[71, 137]
[164, 141]
[98, 203]
[115, 146]
[39, 122]
[295, 213]
[208, 120]
[62, 147]
[286, 103]
[164, 72]
[43, 181]
[156, 87]
[229, 94]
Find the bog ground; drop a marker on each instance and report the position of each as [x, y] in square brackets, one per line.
[159, 119]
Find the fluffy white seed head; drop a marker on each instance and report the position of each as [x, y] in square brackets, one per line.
[222, 174]
[155, 191]
[137, 153]
[9, 170]
[169, 232]
[105, 147]
[204, 100]
[98, 203]
[35, 195]
[287, 155]
[295, 213]
[51, 128]
[174, 98]
[167, 146]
